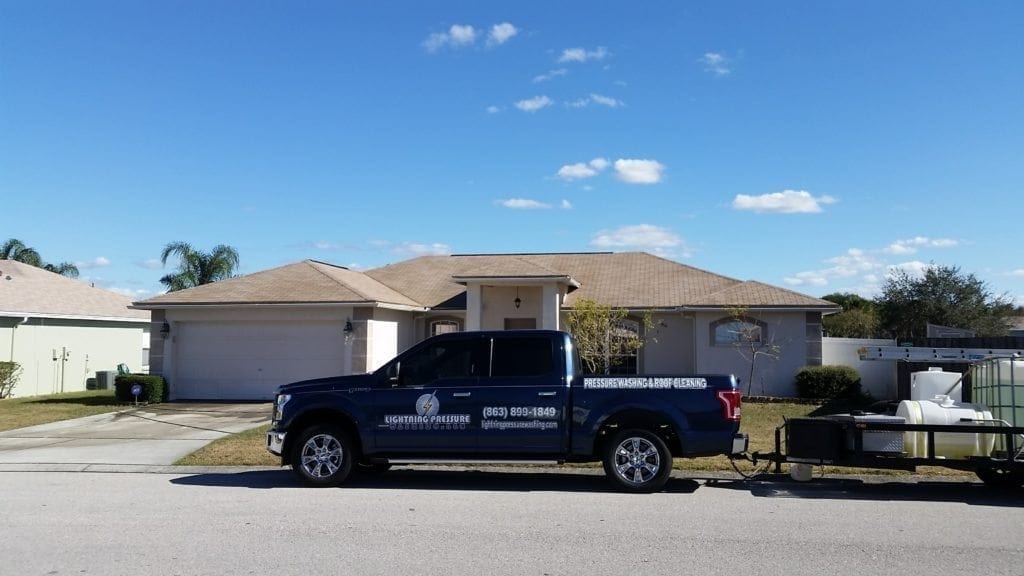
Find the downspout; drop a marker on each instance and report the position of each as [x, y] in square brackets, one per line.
[13, 332]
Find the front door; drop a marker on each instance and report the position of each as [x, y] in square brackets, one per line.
[426, 403]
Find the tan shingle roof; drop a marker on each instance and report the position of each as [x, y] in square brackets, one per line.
[757, 294]
[304, 282]
[625, 279]
[32, 291]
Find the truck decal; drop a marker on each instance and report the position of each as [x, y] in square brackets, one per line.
[645, 383]
[427, 417]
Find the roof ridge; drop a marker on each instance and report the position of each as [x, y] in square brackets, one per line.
[360, 293]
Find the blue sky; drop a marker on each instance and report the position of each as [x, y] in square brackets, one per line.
[809, 145]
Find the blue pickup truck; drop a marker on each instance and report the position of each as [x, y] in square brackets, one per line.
[502, 396]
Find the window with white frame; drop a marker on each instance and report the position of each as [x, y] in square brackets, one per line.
[443, 327]
[732, 331]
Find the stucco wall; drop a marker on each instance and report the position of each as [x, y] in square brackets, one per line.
[787, 330]
[498, 303]
[877, 377]
[89, 346]
[672, 353]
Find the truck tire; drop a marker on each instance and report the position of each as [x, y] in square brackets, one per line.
[637, 461]
[322, 456]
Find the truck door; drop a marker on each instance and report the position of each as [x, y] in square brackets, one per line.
[522, 403]
[425, 402]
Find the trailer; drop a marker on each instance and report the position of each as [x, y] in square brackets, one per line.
[985, 437]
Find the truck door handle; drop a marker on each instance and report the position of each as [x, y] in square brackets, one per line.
[461, 394]
[552, 393]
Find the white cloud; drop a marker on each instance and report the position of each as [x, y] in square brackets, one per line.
[566, 205]
[910, 245]
[639, 171]
[595, 99]
[457, 36]
[583, 55]
[716, 63]
[605, 101]
[322, 245]
[915, 268]
[646, 237]
[150, 264]
[524, 204]
[501, 33]
[415, 249]
[855, 262]
[98, 262]
[785, 202]
[1018, 272]
[534, 104]
[550, 75]
[493, 109]
[580, 170]
[135, 294]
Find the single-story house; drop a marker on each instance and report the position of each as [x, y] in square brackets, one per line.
[62, 331]
[241, 338]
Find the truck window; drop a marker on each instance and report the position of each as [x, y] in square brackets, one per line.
[450, 359]
[522, 356]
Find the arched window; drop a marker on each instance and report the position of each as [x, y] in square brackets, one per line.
[731, 331]
[443, 327]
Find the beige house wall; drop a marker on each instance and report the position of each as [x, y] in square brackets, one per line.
[60, 355]
[787, 330]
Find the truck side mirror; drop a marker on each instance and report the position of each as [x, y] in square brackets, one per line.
[394, 372]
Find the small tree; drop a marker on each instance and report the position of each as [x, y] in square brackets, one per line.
[9, 374]
[752, 342]
[602, 335]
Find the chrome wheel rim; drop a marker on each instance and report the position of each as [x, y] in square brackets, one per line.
[637, 460]
[322, 456]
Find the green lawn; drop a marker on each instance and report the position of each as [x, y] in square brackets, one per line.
[22, 412]
[759, 421]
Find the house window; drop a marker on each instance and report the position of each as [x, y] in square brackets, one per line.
[443, 327]
[732, 331]
[622, 358]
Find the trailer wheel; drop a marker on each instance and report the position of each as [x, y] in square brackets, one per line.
[1001, 478]
[637, 461]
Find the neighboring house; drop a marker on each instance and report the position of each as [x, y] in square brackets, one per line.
[61, 331]
[1017, 326]
[240, 338]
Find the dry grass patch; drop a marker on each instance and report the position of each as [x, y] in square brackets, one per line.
[247, 448]
[22, 412]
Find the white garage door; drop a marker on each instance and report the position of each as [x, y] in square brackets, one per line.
[249, 360]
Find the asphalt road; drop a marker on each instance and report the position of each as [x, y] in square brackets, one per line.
[515, 522]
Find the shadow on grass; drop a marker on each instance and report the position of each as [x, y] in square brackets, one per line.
[98, 400]
[414, 479]
[963, 492]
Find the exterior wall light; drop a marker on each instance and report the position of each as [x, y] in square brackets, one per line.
[165, 329]
[518, 301]
[349, 331]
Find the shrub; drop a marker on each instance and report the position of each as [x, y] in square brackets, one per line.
[9, 374]
[828, 382]
[154, 388]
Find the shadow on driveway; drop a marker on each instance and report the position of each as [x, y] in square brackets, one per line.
[414, 479]
[972, 493]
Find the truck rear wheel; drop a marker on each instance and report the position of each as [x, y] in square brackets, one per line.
[322, 456]
[637, 461]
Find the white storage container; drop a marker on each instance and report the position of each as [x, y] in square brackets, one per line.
[947, 445]
[928, 384]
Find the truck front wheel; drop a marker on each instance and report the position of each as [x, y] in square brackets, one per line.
[322, 456]
[637, 461]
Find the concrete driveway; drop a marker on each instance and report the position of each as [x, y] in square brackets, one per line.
[156, 435]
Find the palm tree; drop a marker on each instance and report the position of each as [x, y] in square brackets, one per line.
[196, 268]
[16, 250]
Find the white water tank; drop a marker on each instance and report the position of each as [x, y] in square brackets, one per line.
[933, 382]
[945, 411]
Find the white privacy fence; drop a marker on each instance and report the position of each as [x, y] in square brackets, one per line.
[877, 377]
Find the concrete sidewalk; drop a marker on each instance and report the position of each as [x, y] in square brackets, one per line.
[156, 435]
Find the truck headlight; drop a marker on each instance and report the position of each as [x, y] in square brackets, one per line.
[279, 403]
